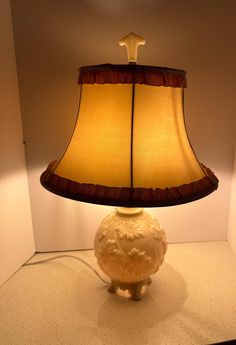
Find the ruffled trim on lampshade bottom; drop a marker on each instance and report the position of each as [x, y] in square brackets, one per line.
[126, 196]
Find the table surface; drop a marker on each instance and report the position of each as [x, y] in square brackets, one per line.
[192, 300]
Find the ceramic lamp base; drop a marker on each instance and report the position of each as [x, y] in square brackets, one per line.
[130, 246]
[133, 290]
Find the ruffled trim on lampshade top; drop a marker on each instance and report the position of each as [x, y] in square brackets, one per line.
[126, 196]
[132, 74]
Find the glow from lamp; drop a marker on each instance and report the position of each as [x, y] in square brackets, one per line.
[130, 148]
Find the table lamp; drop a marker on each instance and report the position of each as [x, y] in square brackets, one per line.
[130, 149]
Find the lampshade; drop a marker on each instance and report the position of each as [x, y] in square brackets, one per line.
[130, 145]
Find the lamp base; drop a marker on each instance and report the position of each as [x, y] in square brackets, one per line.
[130, 246]
[133, 290]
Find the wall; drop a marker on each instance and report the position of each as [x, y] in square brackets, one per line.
[232, 213]
[53, 38]
[16, 233]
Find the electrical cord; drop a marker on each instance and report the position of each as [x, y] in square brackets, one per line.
[67, 256]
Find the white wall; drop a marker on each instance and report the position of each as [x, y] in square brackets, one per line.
[16, 233]
[232, 211]
[54, 38]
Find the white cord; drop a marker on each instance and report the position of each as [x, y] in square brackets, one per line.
[66, 256]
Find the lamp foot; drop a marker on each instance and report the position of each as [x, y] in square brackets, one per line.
[133, 290]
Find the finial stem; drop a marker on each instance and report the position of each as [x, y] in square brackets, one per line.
[132, 42]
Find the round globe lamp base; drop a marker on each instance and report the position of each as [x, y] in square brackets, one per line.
[130, 246]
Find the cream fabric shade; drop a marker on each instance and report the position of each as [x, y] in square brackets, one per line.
[130, 145]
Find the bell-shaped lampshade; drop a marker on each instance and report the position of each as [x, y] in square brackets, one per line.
[130, 146]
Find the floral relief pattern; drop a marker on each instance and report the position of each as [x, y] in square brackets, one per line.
[125, 247]
[112, 247]
[139, 255]
[129, 231]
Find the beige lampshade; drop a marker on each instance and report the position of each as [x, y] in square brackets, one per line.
[130, 146]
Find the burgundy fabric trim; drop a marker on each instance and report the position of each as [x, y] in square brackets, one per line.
[125, 196]
[132, 74]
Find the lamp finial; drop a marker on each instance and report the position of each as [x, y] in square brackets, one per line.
[132, 42]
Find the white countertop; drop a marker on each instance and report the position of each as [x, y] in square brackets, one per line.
[192, 300]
